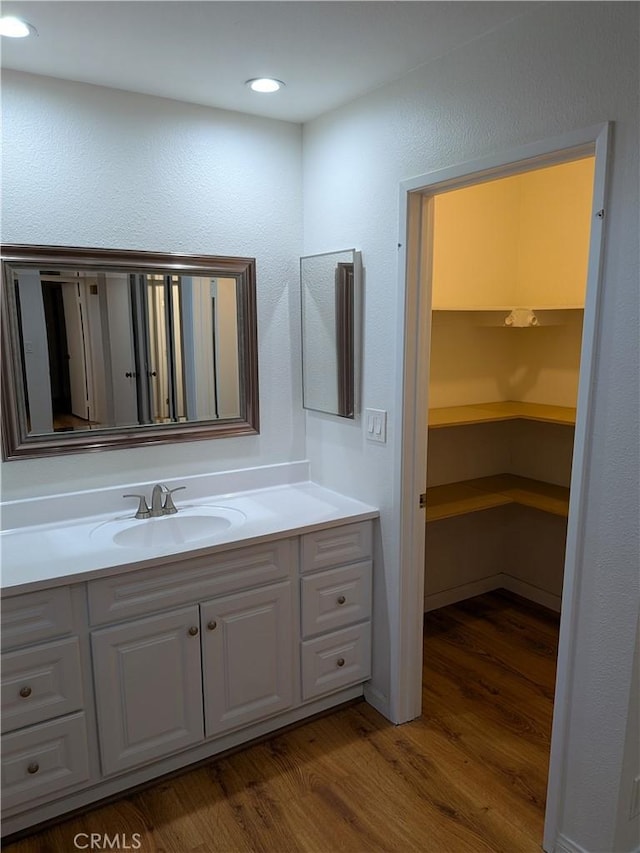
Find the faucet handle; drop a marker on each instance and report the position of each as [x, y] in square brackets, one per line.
[169, 508]
[143, 509]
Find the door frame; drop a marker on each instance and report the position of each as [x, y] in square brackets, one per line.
[414, 276]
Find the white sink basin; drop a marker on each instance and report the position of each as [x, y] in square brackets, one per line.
[189, 524]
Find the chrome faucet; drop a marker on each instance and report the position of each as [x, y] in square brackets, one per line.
[156, 501]
[161, 502]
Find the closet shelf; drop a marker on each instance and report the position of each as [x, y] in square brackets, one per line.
[513, 316]
[501, 308]
[504, 410]
[488, 492]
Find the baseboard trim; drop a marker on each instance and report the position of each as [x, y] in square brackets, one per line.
[459, 593]
[497, 581]
[378, 701]
[531, 592]
[566, 845]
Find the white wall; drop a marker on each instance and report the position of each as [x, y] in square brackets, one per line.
[89, 166]
[562, 67]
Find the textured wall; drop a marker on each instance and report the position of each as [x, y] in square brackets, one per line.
[89, 166]
[564, 66]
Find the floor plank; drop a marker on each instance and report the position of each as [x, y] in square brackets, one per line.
[469, 776]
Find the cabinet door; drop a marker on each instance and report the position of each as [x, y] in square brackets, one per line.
[148, 688]
[248, 649]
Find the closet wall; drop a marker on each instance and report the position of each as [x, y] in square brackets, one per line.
[509, 275]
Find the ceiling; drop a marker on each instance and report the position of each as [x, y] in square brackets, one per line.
[328, 53]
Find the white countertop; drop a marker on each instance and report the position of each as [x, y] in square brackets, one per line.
[68, 551]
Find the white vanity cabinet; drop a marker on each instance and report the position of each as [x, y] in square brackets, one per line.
[44, 731]
[151, 669]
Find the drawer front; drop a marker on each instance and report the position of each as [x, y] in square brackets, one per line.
[335, 598]
[36, 616]
[159, 588]
[336, 546]
[40, 683]
[336, 660]
[42, 760]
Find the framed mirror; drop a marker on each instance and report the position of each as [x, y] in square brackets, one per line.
[104, 348]
[330, 292]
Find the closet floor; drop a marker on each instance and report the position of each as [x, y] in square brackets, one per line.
[469, 776]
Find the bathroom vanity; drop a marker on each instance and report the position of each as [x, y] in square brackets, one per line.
[130, 655]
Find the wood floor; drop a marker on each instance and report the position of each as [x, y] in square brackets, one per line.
[469, 776]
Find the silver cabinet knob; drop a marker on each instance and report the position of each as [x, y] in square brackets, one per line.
[33, 767]
[25, 692]
[340, 661]
[212, 625]
[193, 631]
[341, 599]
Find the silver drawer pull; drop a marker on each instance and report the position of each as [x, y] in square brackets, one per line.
[25, 692]
[341, 599]
[33, 767]
[193, 631]
[212, 625]
[340, 661]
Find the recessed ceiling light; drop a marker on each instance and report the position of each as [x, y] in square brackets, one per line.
[264, 84]
[15, 28]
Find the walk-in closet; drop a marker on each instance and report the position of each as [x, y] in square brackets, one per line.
[509, 273]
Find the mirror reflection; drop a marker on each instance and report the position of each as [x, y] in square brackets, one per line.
[121, 349]
[100, 348]
[329, 290]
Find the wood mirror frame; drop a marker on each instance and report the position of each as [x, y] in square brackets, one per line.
[18, 443]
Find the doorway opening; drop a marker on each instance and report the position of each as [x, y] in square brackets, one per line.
[507, 415]
[509, 266]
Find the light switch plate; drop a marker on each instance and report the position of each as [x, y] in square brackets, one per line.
[375, 421]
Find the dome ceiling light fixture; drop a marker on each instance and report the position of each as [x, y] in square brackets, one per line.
[16, 28]
[265, 85]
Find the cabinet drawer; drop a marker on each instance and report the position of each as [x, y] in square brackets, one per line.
[336, 598]
[335, 546]
[336, 660]
[36, 616]
[40, 683]
[42, 760]
[159, 588]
